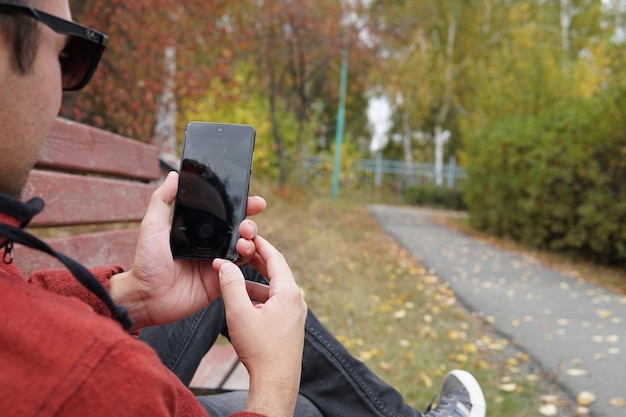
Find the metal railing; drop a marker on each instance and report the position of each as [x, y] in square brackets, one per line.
[379, 172]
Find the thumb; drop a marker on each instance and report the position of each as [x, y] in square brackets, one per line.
[160, 206]
[233, 288]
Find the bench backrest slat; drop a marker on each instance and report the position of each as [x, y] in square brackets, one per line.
[75, 199]
[116, 247]
[76, 147]
[88, 176]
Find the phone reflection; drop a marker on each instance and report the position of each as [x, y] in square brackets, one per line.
[202, 217]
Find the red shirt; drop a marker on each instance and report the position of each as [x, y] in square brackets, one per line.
[60, 355]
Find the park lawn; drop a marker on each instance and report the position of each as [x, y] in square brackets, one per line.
[391, 312]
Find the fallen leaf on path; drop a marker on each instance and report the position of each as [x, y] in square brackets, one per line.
[618, 402]
[548, 410]
[532, 378]
[582, 411]
[585, 398]
[577, 372]
[549, 399]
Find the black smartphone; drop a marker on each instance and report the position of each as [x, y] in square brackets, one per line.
[212, 195]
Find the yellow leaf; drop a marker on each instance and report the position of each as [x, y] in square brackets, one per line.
[549, 399]
[481, 364]
[532, 378]
[400, 314]
[585, 398]
[470, 348]
[454, 335]
[510, 387]
[577, 372]
[384, 366]
[428, 383]
[460, 357]
[548, 410]
[367, 354]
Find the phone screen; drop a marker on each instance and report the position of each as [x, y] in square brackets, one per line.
[212, 190]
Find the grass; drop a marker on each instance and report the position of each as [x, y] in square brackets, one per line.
[388, 310]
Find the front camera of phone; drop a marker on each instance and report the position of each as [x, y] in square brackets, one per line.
[220, 129]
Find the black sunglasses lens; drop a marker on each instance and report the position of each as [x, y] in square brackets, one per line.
[77, 59]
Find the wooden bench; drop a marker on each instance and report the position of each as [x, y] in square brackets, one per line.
[97, 186]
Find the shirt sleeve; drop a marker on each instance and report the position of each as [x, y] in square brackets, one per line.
[63, 282]
[131, 381]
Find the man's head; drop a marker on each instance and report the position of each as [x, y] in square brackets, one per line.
[41, 53]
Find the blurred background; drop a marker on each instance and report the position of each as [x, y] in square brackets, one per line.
[510, 109]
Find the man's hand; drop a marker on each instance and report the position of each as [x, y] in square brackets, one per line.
[159, 289]
[267, 333]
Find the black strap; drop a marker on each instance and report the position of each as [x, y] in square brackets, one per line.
[83, 275]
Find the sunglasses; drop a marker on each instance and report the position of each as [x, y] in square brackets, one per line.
[81, 55]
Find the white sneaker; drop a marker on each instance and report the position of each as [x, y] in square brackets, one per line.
[461, 396]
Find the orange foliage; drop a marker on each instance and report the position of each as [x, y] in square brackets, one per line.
[123, 95]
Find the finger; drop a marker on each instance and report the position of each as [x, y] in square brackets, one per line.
[233, 288]
[160, 205]
[256, 205]
[217, 263]
[257, 291]
[259, 264]
[167, 190]
[248, 229]
[276, 264]
[246, 249]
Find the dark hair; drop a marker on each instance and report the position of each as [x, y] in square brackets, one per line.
[22, 34]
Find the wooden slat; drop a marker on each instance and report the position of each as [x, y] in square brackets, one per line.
[76, 199]
[216, 367]
[78, 147]
[93, 250]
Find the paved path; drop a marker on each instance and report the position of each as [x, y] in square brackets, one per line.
[567, 325]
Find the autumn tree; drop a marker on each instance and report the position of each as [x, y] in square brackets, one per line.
[124, 93]
[425, 49]
[296, 49]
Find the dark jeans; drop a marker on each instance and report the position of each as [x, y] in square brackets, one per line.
[333, 383]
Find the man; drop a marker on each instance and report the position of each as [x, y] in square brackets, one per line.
[60, 351]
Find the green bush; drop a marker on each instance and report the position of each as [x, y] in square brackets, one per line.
[557, 180]
[433, 196]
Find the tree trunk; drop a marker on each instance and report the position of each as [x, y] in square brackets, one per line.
[165, 120]
[441, 136]
[566, 22]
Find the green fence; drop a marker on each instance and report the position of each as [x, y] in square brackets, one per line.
[379, 172]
